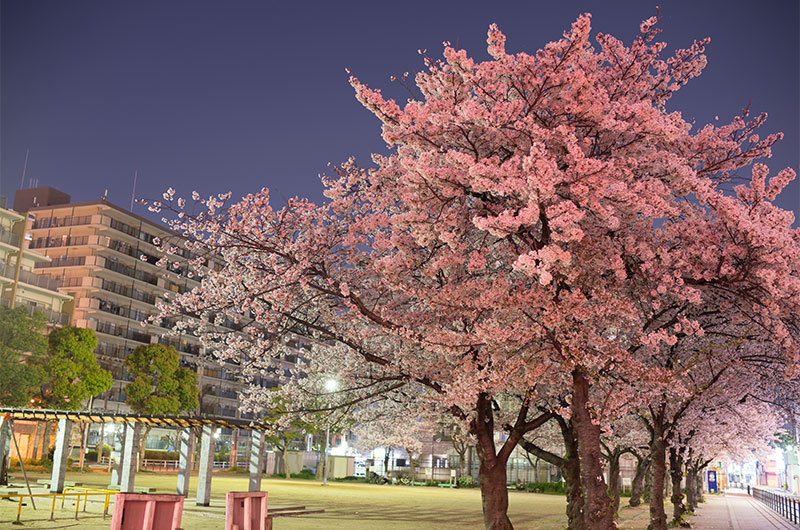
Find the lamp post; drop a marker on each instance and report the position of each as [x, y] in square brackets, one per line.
[330, 385]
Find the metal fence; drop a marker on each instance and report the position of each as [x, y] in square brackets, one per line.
[786, 505]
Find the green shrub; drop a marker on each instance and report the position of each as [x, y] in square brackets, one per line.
[545, 487]
[305, 474]
[433, 483]
[466, 481]
[154, 454]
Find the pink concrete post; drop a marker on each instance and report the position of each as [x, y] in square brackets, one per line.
[246, 510]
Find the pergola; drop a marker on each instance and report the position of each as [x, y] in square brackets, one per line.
[125, 453]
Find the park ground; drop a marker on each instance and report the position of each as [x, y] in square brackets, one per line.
[355, 506]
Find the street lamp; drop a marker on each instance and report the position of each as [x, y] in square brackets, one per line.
[330, 385]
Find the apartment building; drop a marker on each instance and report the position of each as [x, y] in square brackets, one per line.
[105, 258]
[19, 283]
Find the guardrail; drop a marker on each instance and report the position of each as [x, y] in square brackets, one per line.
[786, 505]
[77, 493]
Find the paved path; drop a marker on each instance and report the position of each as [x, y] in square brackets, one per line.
[734, 511]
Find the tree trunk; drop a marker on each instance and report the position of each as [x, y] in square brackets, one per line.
[637, 484]
[494, 493]
[658, 450]
[571, 471]
[492, 468]
[46, 442]
[35, 441]
[597, 506]
[613, 479]
[570, 468]
[691, 496]
[676, 476]
[386, 463]
[698, 481]
[285, 459]
[143, 447]
[318, 471]
[412, 464]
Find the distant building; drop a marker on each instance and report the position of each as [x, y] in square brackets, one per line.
[19, 283]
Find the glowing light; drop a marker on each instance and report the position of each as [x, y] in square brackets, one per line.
[331, 385]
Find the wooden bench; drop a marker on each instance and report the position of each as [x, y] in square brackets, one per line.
[293, 511]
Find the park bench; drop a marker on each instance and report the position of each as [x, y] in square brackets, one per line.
[293, 511]
[447, 485]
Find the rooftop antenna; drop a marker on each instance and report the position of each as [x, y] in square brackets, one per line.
[133, 191]
[105, 194]
[24, 168]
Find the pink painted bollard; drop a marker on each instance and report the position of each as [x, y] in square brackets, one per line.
[141, 511]
[246, 510]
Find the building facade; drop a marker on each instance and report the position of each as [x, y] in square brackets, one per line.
[20, 285]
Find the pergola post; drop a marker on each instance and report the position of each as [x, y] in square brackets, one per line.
[60, 456]
[256, 460]
[206, 466]
[117, 456]
[129, 457]
[5, 449]
[184, 460]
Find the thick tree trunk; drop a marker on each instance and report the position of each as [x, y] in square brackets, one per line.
[613, 480]
[647, 492]
[386, 463]
[318, 471]
[36, 440]
[597, 506]
[143, 447]
[637, 484]
[676, 476]
[492, 468]
[494, 492]
[658, 450]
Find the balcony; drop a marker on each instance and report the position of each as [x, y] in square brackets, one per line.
[123, 290]
[54, 318]
[122, 331]
[9, 238]
[62, 261]
[131, 272]
[7, 270]
[73, 220]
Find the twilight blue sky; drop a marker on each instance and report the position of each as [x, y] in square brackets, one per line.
[237, 95]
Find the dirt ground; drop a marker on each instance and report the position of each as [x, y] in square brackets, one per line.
[347, 505]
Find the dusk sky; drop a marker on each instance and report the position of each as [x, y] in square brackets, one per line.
[219, 96]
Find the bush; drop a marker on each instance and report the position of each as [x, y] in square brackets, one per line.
[160, 455]
[433, 483]
[545, 487]
[466, 481]
[304, 474]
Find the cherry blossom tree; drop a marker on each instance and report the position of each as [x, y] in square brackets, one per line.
[542, 223]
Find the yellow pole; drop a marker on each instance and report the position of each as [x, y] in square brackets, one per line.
[105, 506]
[53, 509]
[77, 504]
[19, 507]
[85, 498]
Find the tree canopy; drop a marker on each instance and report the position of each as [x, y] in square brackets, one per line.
[161, 386]
[22, 347]
[71, 372]
[545, 240]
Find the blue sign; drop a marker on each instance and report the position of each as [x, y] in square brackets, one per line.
[712, 481]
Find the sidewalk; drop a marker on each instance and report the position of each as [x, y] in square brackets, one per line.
[736, 511]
